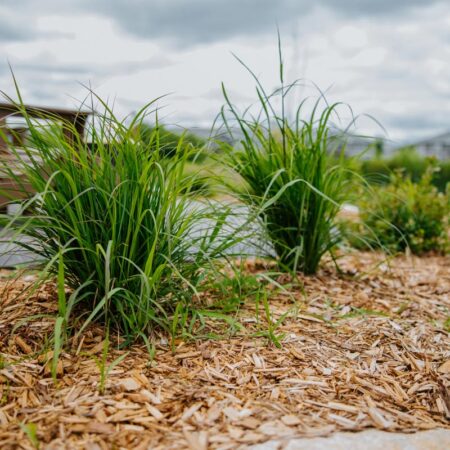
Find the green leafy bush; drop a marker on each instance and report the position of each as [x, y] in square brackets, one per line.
[133, 244]
[168, 141]
[404, 214]
[293, 181]
[378, 170]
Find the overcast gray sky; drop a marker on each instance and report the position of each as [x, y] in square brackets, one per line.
[386, 58]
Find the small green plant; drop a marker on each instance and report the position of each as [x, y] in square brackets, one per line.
[113, 218]
[61, 322]
[234, 288]
[103, 366]
[271, 325]
[447, 325]
[362, 312]
[30, 429]
[405, 215]
[296, 180]
[151, 349]
[179, 320]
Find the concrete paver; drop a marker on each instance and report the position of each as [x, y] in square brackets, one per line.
[438, 439]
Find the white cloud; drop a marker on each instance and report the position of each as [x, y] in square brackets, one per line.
[392, 62]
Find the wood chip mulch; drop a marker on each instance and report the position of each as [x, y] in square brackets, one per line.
[365, 348]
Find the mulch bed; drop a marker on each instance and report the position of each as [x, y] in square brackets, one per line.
[365, 348]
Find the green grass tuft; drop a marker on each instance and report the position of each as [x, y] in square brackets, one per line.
[118, 217]
[294, 179]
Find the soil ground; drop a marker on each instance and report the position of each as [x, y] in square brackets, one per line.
[364, 348]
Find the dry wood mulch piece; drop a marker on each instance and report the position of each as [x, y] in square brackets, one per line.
[369, 350]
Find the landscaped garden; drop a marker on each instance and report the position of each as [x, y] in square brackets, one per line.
[212, 294]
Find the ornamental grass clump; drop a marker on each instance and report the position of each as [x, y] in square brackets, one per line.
[119, 217]
[296, 179]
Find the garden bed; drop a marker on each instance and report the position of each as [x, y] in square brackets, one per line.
[365, 348]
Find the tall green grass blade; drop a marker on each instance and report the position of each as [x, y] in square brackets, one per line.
[57, 345]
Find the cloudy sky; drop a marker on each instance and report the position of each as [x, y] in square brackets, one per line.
[389, 59]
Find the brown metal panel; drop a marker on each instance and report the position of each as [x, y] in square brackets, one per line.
[76, 118]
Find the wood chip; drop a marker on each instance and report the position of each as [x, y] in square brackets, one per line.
[379, 359]
[128, 384]
[445, 368]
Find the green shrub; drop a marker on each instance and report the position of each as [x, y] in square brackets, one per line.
[378, 170]
[405, 214]
[441, 178]
[117, 215]
[168, 141]
[294, 182]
